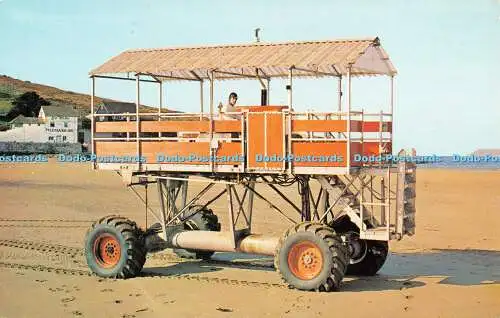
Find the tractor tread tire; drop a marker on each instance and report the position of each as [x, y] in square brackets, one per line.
[130, 237]
[335, 254]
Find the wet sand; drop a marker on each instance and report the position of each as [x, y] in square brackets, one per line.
[450, 268]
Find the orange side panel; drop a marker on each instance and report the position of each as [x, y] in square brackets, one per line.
[173, 126]
[372, 148]
[324, 152]
[265, 138]
[197, 126]
[275, 135]
[255, 143]
[179, 152]
[319, 125]
[369, 149]
[338, 126]
[184, 152]
[105, 148]
[356, 150]
[231, 151]
[169, 126]
[115, 126]
[356, 125]
[227, 126]
[151, 150]
[374, 126]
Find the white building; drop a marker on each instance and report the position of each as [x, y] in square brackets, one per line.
[55, 123]
[61, 123]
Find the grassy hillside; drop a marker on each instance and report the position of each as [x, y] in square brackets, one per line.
[5, 106]
[14, 87]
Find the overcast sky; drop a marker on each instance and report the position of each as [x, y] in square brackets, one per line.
[446, 53]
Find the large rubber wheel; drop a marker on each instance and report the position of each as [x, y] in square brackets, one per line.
[114, 247]
[311, 256]
[203, 220]
[366, 256]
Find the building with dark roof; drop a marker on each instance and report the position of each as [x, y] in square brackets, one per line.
[112, 107]
[21, 120]
[57, 111]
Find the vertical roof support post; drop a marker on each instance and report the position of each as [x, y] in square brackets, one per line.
[290, 115]
[349, 117]
[201, 100]
[392, 109]
[362, 138]
[161, 104]
[137, 122]
[92, 121]
[339, 90]
[211, 128]
[339, 102]
[264, 86]
[289, 87]
[380, 134]
[268, 85]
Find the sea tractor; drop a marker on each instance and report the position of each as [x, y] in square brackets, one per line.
[346, 207]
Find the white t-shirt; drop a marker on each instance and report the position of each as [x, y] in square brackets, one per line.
[228, 108]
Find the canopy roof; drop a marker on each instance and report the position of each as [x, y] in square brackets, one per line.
[268, 60]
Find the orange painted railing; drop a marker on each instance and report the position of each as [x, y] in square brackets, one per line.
[272, 132]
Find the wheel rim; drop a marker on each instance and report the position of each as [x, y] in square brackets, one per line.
[357, 248]
[107, 251]
[305, 260]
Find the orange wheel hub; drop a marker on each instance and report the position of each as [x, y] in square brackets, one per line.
[305, 260]
[107, 250]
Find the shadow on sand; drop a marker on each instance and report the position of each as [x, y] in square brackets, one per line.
[466, 267]
[401, 271]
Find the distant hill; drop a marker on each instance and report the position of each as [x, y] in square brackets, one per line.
[81, 102]
[482, 152]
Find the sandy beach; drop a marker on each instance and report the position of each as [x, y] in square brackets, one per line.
[450, 268]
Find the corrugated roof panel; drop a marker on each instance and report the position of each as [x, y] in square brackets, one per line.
[276, 58]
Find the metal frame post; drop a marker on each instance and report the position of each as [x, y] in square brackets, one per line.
[289, 88]
[362, 132]
[184, 193]
[289, 122]
[268, 84]
[92, 121]
[232, 229]
[380, 135]
[160, 185]
[392, 109]
[128, 132]
[349, 117]
[339, 102]
[383, 199]
[160, 105]
[339, 89]
[201, 99]
[251, 184]
[211, 131]
[137, 121]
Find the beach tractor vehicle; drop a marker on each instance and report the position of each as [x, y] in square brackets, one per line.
[327, 174]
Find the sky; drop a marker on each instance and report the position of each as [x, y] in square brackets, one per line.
[447, 53]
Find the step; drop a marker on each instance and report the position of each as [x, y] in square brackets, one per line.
[378, 234]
